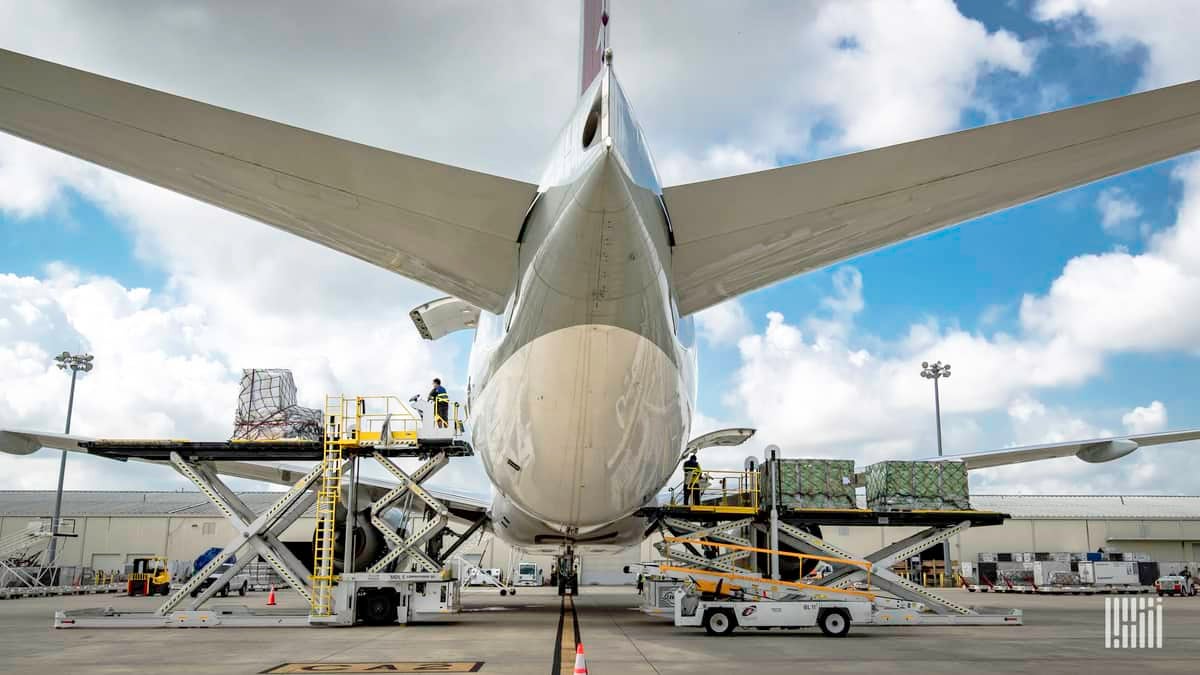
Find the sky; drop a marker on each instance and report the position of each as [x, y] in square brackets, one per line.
[1067, 318]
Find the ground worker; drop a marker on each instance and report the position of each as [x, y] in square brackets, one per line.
[691, 480]
[441, 404]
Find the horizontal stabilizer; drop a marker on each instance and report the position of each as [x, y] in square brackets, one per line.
[737, 234]
[448, 227]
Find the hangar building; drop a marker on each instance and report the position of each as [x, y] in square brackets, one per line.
[114, 527]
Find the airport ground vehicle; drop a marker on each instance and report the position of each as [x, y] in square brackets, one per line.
[529, 574]
[477, 577]
[148, 576]
[239, 582]
[723, 616]
[1173, 584]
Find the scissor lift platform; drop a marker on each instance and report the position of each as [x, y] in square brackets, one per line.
[834, 517]
[258, 451]
[419, 585]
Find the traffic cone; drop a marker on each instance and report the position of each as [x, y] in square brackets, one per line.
[271, 597]
[580, 664]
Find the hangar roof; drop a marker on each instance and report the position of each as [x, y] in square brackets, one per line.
[137, 503]
[1115, 507]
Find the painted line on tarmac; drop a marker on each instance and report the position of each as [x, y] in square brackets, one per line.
[564, 650]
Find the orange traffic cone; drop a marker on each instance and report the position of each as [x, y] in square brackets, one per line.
[580, 664]
[271, 597]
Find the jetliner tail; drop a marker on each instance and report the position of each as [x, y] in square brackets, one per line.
[593, 39]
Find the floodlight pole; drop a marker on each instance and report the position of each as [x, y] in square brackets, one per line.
[75, 363]
[62, 472]
[935, 372]
[937, 413]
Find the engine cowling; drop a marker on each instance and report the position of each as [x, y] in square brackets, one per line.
[1106, 451]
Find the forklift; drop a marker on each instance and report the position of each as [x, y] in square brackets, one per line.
[148, 577]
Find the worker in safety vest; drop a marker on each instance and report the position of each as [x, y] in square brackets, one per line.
[691, 480]
[441, 404]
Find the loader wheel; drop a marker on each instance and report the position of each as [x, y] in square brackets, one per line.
[719, 622]
[834, 622]
[378, 607]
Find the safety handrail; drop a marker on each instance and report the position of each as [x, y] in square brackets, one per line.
[718, 488]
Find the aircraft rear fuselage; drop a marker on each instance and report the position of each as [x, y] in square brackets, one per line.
[582, 392]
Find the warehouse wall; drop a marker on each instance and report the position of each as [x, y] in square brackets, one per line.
[104, 539]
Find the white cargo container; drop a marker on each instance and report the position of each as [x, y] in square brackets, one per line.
[1043, 569]
[1109, 573]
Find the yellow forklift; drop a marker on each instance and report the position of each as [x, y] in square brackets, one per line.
[148, 577]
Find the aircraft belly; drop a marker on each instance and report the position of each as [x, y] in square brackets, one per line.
[534, 536]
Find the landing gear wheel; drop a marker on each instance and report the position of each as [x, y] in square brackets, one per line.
[834, 622]
[503, 592]
[719, 622]
[378, 609]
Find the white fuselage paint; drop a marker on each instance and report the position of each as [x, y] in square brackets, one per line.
[582, 393]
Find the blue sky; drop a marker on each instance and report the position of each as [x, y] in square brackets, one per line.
[84, 241]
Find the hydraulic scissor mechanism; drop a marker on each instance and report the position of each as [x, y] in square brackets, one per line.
[408, 549]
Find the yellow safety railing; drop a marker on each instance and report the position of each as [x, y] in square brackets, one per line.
[718, 491]
[864, 564]
[363, 420]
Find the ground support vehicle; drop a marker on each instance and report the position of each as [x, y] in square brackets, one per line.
[1174, 584]
[528, 574]
[722, 617]
[148, 576]
[239, 582]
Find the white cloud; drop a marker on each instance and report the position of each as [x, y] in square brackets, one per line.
[753, 85]
[1121, 301]
[1117, 210]
[1161, 26]
[723, 324]
[1146, 419]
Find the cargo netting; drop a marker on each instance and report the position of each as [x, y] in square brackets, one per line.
[911, 486]
[812, 483]
[267, 408]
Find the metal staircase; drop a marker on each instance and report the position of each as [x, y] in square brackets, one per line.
[328, 494]
[25, 541]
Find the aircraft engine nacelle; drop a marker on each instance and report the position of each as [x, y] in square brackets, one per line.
[1106, 451]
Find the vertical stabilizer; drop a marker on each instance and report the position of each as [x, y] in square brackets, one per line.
[593, 39]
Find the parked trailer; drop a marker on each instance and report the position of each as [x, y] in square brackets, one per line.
[1060, 590]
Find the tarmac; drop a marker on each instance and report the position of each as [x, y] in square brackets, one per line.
[518, 634]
